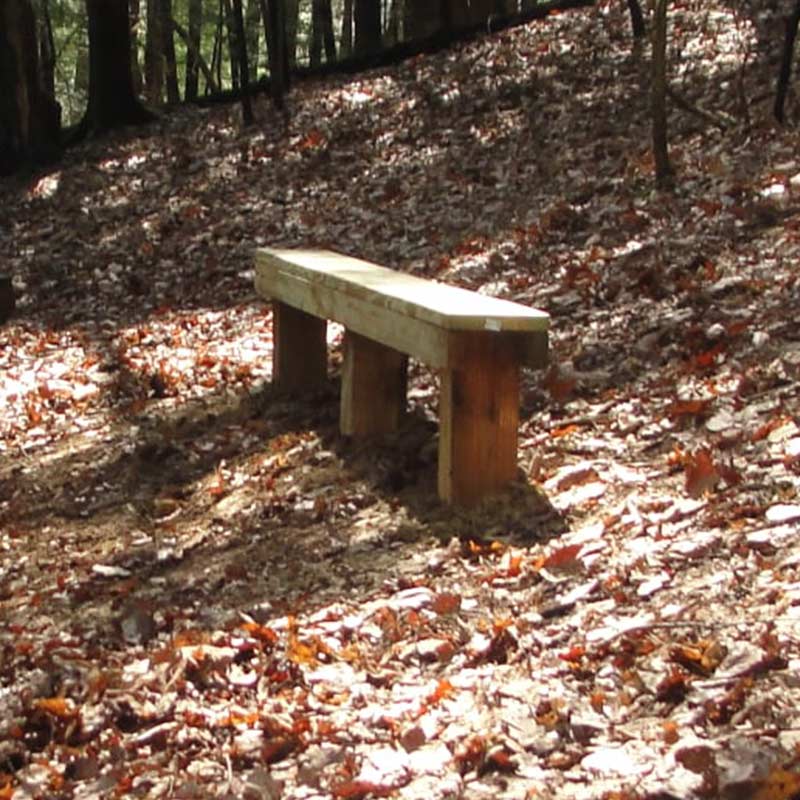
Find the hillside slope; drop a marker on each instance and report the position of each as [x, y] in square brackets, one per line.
[206, 592]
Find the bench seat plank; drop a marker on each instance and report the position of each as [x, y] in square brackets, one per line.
[449, 307]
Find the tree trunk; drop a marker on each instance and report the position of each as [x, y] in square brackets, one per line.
[216, 53]
[198, 60]
[193, 56]
[136, 70]
[392, 35]
[80, 83]
[315, 45]
[786, 63]
[664, 173]
[291, 16]
[475, 12]
[423, 18]
[252, 38]
[154, 54]
[170, 64]
[47, 50]
[233, 60]
[112, 102]
[241, 59]
[368, 26]
[274, 14]
[328, 37]
[346, 44]
[638, 28]
[29, 118]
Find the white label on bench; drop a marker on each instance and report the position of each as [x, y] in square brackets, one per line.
[493, 325]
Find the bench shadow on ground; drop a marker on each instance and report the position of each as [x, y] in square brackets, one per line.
[321, 518]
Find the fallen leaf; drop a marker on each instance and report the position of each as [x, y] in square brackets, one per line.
[57, 706]
[702, 474]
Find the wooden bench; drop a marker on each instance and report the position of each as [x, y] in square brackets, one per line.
[477, 344]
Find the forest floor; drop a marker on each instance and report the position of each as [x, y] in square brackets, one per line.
[206, 592]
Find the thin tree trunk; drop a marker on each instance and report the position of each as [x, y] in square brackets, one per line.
[423, 18]
[326, 13]
[199, 61]
[315, 45]
[785, 72]
[193, 57]
[368, 26]
[216, 53]
[80, 83]
[291, 16]
[392, 35]
[170, 65]
[154, 54]
[321, 31]
[664, 173]
[252, 37]
[638, 28]
[47, 50]
[136, 70]
[233, 61]
[241, 59]
[273, 12]
[346, 45]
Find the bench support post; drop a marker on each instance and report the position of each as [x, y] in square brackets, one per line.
[478, 419]
[373, 387]
[300, 359]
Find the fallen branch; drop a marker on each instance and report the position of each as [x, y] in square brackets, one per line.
[721, 121]
[201, 62]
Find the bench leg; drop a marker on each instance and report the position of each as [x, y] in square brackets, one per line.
[478, 421]
[300, 359]
[373, 387]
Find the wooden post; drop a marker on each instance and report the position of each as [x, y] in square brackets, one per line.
[478, 419]
[373, 387]
[300, 359]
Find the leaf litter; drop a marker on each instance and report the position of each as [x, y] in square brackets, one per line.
[206, 592]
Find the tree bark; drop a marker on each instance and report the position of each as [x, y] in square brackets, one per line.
[112, 102]
[291, 16]
[392, 35]
[47, 50]
[193, 55]
[136, 70]
[233, 59]
[638, 28]
[274, 14]
[785, 72]
[368, 26]
[315, 44]
[170, 64]
[199, 61]
[422, 18]
[328, 37]
[216, 53]
[29, 118]
[241, 58]
[321, 33]
[154, 54]
[252, 38]
[80, 83]
[346, 44]
[663, 167]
